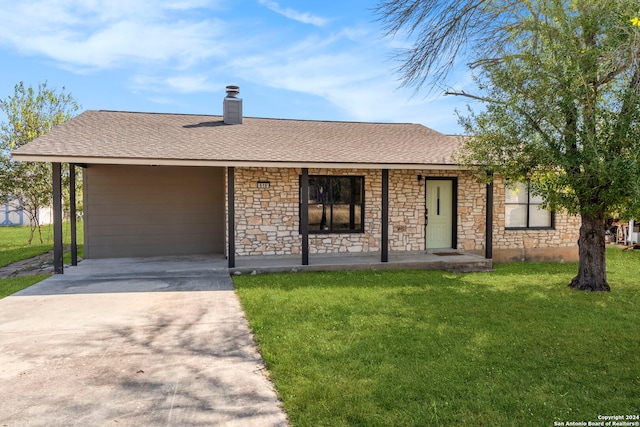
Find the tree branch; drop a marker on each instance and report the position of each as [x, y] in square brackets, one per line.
[534, 123]
[443, 29]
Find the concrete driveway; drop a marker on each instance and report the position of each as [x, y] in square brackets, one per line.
[132, 342]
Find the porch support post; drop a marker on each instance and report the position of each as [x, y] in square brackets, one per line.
[72, 214]
[304, 214]
[58, 266]
[488, 250]
[384, 242]
[231, 211]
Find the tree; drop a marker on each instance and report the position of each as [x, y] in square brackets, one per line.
[30, 114]
[560, 84]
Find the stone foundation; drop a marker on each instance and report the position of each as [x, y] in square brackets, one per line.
[564, 254]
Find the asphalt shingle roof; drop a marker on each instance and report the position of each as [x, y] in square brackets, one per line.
[120, 136]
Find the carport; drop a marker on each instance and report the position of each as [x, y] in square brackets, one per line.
[142, 210]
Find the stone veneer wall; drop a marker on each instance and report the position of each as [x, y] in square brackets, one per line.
[406, 210]
[267, 220]
[558, 244]
[369, 241]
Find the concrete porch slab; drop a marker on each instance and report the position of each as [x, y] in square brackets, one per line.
[446, 259]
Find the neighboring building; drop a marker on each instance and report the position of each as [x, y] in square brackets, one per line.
[12, 214]
[164, 184]
[633, 233]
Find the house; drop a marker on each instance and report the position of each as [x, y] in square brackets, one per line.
[12, 213]
[170, 184]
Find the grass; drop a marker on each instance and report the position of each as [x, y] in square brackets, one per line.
[14, 284]
[14, 247]
[408, 348]
[14, 242]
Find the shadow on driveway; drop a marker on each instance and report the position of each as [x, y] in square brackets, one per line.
[121, 344]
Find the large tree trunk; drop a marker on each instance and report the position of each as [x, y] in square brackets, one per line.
[592, 269]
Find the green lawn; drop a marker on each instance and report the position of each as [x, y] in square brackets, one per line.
[14, 284]
[414, 348]
[14, 247]
[14, 242]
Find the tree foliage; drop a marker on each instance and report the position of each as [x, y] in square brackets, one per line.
[30, 113]
[560, 85]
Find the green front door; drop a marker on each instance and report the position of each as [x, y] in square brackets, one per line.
[439, 214]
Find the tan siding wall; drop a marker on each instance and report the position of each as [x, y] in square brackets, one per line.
[151, 211]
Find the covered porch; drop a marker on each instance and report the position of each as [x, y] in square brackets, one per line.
[454, 259]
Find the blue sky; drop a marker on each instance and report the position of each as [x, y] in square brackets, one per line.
[319, 60]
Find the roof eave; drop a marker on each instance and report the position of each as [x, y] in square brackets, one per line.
[228, 163]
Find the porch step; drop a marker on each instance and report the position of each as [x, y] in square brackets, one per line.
[461, 263]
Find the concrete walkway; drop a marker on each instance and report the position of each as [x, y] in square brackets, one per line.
[132, 342]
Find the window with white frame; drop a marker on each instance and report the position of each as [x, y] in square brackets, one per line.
[523, 209]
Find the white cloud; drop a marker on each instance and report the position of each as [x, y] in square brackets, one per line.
[191, 84]
[182, 84]
[168, 48]
[305, 18]
[188, 4]
[93, 35]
